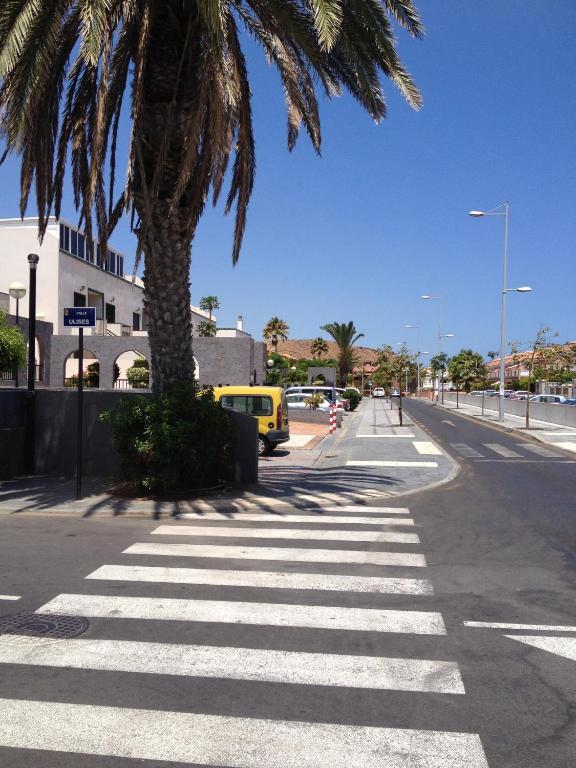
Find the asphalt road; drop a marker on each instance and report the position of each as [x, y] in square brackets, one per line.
[368, 659]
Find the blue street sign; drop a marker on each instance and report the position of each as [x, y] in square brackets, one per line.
[79, 317]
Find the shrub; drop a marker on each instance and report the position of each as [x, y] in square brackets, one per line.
[12, 346]
[138, 374]
[172, 443]
[353, 396]
[314, 400]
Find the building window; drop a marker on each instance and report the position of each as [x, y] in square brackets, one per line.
[74, 242]
[111, 263]
[79, 299]
[81, 247]
[120, 266]
[98, 257]
[136, 321]
[67, 239]
[110, 313]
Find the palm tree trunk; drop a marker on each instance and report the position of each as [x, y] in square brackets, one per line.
[167, 299]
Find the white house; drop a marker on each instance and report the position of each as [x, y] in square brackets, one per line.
[72, 272]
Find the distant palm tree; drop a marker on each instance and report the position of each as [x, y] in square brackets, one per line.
[275, 330]
[345, 336]
[318, 347]
[73, 71]
[209, 304]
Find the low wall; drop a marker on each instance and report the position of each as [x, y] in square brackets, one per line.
[309, 416]
[55, 441]
[564, 415]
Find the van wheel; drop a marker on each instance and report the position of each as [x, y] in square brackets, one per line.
[263, 446]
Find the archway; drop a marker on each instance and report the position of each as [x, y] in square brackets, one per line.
[90, 367]
[131, 371]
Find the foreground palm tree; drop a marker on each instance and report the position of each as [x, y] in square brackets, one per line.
[318, 347]
[345, 336]
[275, 330]
[73, 71]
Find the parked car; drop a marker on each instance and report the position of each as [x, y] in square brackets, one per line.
[378, 392]
[521, 394]
[570, 401]
[551, 399]
[298, 400]
[329, 393]
[267, 405]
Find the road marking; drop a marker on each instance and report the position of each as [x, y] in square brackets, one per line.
[10, 597]
[539, 450]
[263, 579]
[426, 448]
[282, 554]
[528, 627]
[447, 421]
[262, 614]
[566, 433]
[181, 737]
[408, 434]
[364, 510]
[290, 667]
[391, 464]
[332, 519]
[561, 646]
[567, 445]
[288, 533]
[466, 450]
[502, 450]
[526, 461]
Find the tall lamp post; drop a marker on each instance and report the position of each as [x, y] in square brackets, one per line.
[502, 210]
[17, 291]
[417, 329]
[441, 383]
[33, 260]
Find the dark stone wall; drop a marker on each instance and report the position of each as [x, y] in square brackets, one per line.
[12, 432]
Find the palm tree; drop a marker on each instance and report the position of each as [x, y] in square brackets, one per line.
[209, 304]
[73, 71]
[345, 336]
[318, 347]
[275, 330]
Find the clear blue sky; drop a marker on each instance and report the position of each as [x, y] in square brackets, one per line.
[380, 218]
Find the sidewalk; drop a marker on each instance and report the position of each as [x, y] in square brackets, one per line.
[347, 467]
[554, 435]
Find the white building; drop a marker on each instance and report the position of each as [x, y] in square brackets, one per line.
[73, 273]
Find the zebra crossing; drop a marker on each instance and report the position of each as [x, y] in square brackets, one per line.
[499, 452]
[318, 564]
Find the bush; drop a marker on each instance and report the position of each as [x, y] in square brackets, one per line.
[315, 400]
[12, 346]
[353, 396]
[172, 443]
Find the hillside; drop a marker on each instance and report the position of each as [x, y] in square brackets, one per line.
[297, 348]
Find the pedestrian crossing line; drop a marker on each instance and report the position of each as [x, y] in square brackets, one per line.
[265, 518]
[289, 667]
[215, 740]
[288, 533]
[260, 614]
[502, 450]
[408, 434]
[426, 448]
[539, 450]
[18, 597]
[283, 554]
[263, 579]
[421, 464]
[466, 450]
[363, 510]
[566, 445]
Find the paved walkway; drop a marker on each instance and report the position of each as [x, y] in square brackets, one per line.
[554, 435]
[369, 459]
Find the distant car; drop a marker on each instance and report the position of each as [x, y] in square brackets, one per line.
[570, 401]
[378, 392]
[477, 393]
[298, 400]
[395, 393]
[520, 394]
[550, 399]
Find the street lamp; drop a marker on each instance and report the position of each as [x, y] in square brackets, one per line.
[417, 329]
[17, 291]
[33, 260]
[497, 211]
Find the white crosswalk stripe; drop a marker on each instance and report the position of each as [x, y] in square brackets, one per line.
[502, 450]
[228, 741]
[466, 450]
[539, 450]
[425, 448]
[328, 669]
[281, 554]
[309, 519]
[314, 540]
[288, 533]
[262, 614]
[263, 579]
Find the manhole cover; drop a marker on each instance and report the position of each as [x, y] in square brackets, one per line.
[49, 625]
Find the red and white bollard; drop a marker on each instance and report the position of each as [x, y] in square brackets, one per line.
[332, 419]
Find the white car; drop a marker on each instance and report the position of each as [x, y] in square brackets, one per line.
[378, 392]
[298, 400]
[554, 399]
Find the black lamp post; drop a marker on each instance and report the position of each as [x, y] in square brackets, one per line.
[33, 260]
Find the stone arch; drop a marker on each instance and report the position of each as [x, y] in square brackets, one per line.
[122, 362]
[90, 366]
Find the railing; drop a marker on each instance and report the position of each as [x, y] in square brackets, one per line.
[127, 384]
[9, 375]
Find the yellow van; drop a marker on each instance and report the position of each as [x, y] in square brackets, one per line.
[268, 406]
